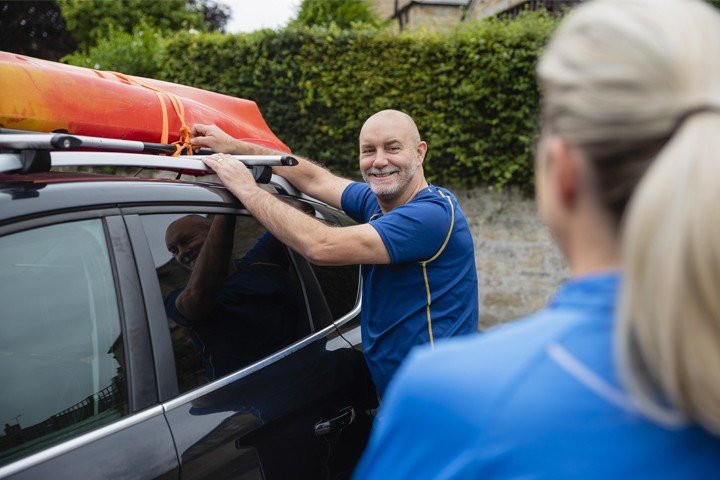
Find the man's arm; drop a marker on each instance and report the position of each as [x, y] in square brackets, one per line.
[212, 267]
[308, 177]
[321, 244]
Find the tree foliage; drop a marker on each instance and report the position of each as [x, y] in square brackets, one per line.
[343, 13]
[91, 20]
[216, 15]
[139, 52]
[34, 28]
[128, 35]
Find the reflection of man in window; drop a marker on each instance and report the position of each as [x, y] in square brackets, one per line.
[236, 311]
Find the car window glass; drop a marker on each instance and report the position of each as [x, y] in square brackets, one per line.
[61, 372]
[340, 287]
[231, 294]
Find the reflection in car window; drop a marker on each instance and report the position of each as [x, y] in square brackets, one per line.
[340, 287]
[231, 294]
[62, 370]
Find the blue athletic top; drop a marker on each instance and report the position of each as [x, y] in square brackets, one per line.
[256, 311]
[430, 286]
[539, 398]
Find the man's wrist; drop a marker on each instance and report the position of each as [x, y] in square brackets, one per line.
[247, 191]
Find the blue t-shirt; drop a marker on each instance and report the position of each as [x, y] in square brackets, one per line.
[255, 313]
[539, 398]
[430, 286]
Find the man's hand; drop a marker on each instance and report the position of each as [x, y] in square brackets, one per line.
[213, 137]
[231, 172]
[310, 178]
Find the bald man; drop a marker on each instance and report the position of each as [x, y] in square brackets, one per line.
[419, 277]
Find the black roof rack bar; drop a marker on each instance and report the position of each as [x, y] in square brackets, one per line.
[98, 143]
[29, 140]
[190, 164]
[20, 139]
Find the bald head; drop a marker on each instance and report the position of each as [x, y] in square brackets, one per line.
[188, 223]
[184, 238]
[398, 123]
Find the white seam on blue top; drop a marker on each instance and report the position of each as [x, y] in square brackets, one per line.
[603, 389]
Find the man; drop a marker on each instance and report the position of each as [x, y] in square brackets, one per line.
[236, 311]
[420, 281]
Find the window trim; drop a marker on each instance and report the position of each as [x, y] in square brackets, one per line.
[42, 220]
[142, 380]
[160, 341]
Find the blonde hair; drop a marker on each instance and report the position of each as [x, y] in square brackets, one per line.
[636, 85]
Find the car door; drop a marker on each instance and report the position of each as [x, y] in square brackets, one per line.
[79, 396]
[278, 393]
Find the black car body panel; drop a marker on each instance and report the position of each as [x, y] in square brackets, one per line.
[142, 449]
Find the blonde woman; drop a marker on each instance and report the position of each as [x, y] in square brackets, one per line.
[614, 379]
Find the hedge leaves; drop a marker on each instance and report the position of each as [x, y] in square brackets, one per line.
[472, 91]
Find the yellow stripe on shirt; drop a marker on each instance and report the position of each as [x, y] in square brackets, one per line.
[434, 257]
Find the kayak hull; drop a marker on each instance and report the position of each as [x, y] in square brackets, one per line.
[46, 96]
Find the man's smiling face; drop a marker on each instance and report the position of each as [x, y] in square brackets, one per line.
[389, 157]
[185, 237]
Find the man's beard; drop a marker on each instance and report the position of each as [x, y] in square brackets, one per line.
[403, 178]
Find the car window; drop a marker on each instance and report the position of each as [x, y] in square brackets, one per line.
[61, 367]
[340, 287]
[231, 294]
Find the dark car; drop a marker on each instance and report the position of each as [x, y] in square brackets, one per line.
[104, 373]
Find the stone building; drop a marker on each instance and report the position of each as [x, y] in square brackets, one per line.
[488, 8]
[411, 14]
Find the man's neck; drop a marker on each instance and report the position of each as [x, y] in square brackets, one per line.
[387, 204]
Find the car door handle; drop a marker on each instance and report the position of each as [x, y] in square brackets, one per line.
[334, 425]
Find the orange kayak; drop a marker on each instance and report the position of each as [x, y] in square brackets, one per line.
[45, 96]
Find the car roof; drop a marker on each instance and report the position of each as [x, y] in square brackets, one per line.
[23, 195]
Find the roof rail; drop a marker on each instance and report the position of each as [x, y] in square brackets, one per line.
[67, 141]
[34, 152]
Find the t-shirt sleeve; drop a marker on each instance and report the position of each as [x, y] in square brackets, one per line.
[268, 249]
[171, 309]
[357, 201]
[415, 231]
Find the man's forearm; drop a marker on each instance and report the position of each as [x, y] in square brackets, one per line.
[304, 234]
[319, 243]
[307, 176]
[295, 229]
[210, 270]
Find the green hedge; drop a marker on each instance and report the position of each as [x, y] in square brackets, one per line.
[472, 91]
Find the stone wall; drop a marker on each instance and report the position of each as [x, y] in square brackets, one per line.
[518, 266]
[489, 8]
[433, 16]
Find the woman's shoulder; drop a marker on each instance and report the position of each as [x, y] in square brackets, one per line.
[507, 343]
[473, 370]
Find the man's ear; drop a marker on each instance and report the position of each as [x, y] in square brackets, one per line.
[566, 171]
[421, 151]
